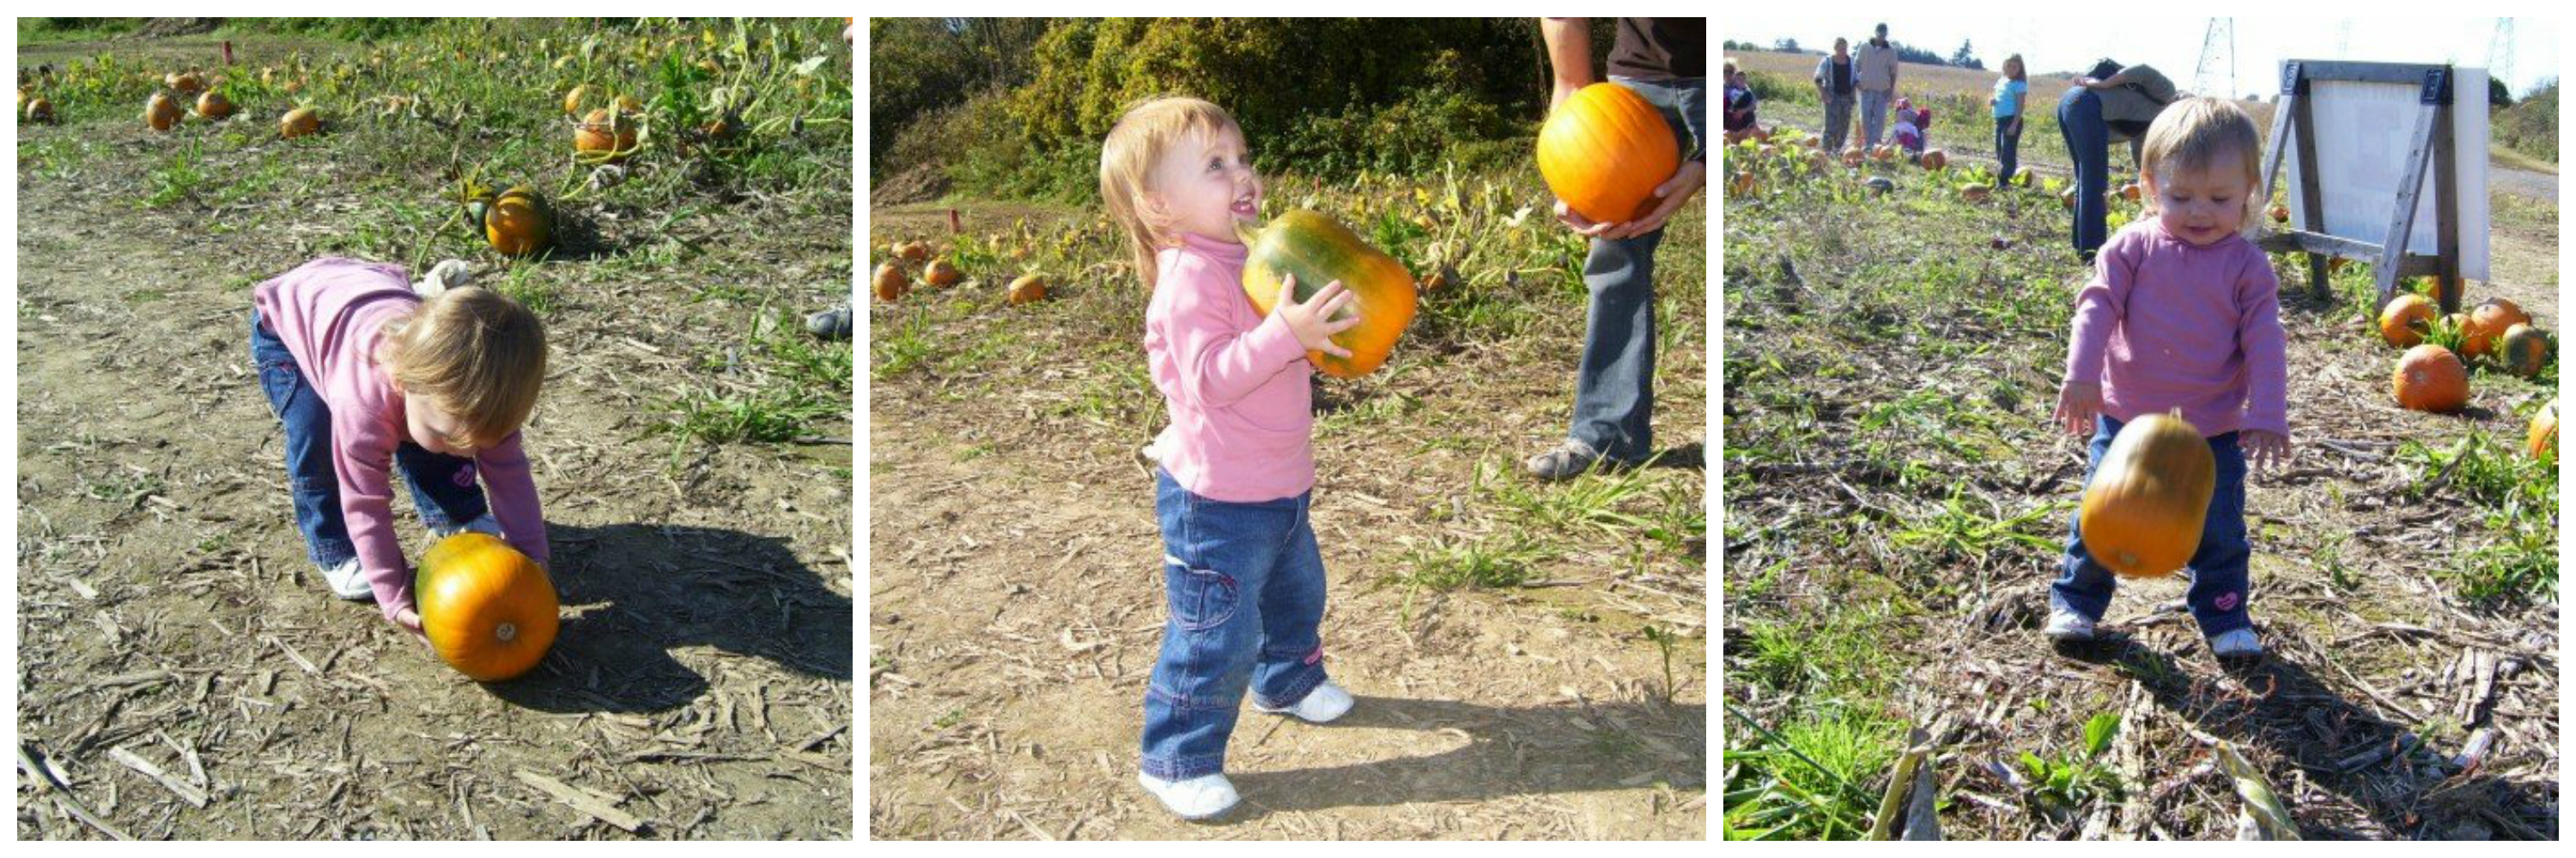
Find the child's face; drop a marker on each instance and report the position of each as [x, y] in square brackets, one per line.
[2204, 204]
[1205, 184]
[433, 428]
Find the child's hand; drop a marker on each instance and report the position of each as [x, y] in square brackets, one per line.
[2077, 404]
[409, 619]
[1315, 322]
[2266, 450]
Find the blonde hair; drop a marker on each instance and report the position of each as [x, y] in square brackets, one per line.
[1127, 158]
[474, 352]
[2194, 133]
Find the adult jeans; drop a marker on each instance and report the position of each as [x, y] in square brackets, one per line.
[2218, 578]
[1614, 386]
[1838, 119]
[1244, 583]
[1873, 114]
[2088, 145]
[443, 487]
[2007, 148]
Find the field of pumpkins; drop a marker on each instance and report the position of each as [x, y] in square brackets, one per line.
[669, 197]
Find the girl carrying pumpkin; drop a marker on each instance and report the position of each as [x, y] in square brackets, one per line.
[370, 374]
[1242, 576]
[2183, 313]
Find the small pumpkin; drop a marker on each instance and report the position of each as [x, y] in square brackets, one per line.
[1028, 289]
[488, 610]
[891, 282]
[184, 83]
[2404, 321]
[40, 110]
[1853, 157]
[572, 99]
[2431, 378]
[605, 135]
[2488, 322]
[2542, 438]
[161, 112]
[2280, 213]
[941, 273]
[912, 251]
[1935, 159]
[1743, 184]
[1975, 192]
[213, 105]
[1316, 250]
[1603, 150]
[299, 122]
[2132, 192]
[2067, 199]
[2524, 350]
[2149, 496]
[519, 222]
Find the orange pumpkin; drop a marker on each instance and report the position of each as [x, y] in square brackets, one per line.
[186, 83]
[161, 112]
[572, 100]
[2524, 350]
[40, 110]
[2543, 438]
[299, 122]
[488, 610]
[2148, 498]
[2431, 378]
[519, 223]
[2280, 213]
[1029, 289]
[1604, 150]
[1318, 250]
[1853, 157]
[1935, 159]
[912, 251]
[891, 282]
[2131, 192]
[213, 105]
[2403, 322]
[1975, 192]
[1743, 185]
[2488, 322]
[940, 273]
[605, 135]
[2067, 199]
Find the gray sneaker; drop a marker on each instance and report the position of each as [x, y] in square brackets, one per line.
[2068, 626]
[1567, 461]
[832, 324]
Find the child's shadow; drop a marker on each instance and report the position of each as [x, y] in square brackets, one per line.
[1509, 752]
[641, 591]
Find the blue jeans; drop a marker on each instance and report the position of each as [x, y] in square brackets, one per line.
[2218, 581]
[2088, 145]
[2007, 148]
[1614, 386]
[1244, 586]
[442, 486]
[1873, 114]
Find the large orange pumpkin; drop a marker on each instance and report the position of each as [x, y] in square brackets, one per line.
[1029, 289]
[520, 223]
[2144, 508]
[487, 609]
[1603, 151]
[2403, 322]
[299, 122]
[2524, 350]
[1318, 250]
[1935, 159]
[2488, 322]
[213, 105]
[161, 112]
[891, 282]
[2544, 431]
[2431, 378]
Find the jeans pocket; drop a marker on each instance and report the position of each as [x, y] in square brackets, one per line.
[278, 381]
[1201, 599]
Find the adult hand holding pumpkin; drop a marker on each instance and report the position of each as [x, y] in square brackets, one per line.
[1316, 321]
[2077, 404]
[1674, 192]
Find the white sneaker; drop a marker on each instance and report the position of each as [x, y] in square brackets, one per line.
[483, 524]
[2066, 625]
[1325, 703]
[347, 582]
[1197, 798]
[2241, 643]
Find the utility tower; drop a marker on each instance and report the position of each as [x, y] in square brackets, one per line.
[2500, 53]
[2217, 59]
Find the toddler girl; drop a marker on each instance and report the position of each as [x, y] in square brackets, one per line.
[369, 375]
[2010, 91]
[1243, 579]
[2183, 312]
[1913, 127]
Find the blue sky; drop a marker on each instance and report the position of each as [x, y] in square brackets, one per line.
[2172, 43]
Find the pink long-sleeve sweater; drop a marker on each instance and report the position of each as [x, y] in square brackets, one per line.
[330, 313]
[1236, 382]
[2165, 324]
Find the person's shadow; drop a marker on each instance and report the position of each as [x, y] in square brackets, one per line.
[1509, 752]
[2373, 764]
[632, 593]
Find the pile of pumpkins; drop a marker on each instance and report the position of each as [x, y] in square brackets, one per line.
[893, 279]
[2430, 377]
[162, 112]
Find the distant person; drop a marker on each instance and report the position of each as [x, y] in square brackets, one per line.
[1664, 61]
[1741, 118]
[2011, 91]
[1835, 89]
[2183, 314]
[2110, 102]
[1912, 131]
[1877, 64]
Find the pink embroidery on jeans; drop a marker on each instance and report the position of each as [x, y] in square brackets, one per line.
[2227, 601]
[1316, 656]
[465, 476]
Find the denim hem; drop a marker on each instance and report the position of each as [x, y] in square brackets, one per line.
[2211, 627]
[1182, 768]
[1308, 679]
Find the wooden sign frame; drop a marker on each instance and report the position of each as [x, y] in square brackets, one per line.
[2430, 150]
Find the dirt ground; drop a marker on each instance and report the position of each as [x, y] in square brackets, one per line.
[169, 621]
[1015, 612]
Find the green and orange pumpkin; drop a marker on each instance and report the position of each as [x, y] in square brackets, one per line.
[518, 223]
[1604, 150]
[2524, 350]
[2144, 508]
[488, 610]
[1316, 250]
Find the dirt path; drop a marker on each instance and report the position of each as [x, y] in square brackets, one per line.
[701, 682]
